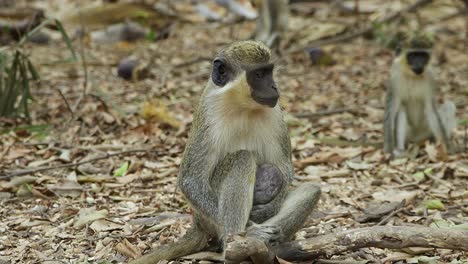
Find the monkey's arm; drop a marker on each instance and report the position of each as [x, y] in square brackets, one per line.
[389, 119]
[436, 124]
[292, 207]
[295, 209]
[196, 167]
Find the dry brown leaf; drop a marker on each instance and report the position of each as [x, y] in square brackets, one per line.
[128, 249]
[104, 225]
[157, 111]
[88, 215]
[396, 196]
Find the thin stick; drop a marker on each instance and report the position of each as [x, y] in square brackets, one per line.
[394, 212]
[367, 29]
[68, 165]
[323, 113]
[66, 102]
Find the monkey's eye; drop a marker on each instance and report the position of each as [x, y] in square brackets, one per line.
[220, 72]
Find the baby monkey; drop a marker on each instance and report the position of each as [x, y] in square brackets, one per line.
[411, 111]
[236, 168]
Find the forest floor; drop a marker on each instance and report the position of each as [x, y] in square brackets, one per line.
[119, 206]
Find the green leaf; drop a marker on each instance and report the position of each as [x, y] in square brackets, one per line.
[34, 31]
[151, 36]
[33, 71]
[463, 226]
[424, 260]
[463, 122]
[428, 171]
[419, 176]
[122, 170]
[66, 38]
[442, 224]
[434, 204]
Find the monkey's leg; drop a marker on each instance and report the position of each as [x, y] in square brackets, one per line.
[295, 209]
[193, 241]
[448, 117]
[236, 187]
[401, 132]
[437, 126]
[391, 110]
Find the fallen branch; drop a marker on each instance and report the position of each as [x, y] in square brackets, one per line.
[241, 247]
[391, 237]
[365, 30]
[68, 165]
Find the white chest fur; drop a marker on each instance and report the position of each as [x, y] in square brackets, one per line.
[240, 129]
[414, 92]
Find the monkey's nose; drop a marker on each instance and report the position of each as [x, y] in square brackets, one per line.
[418, 70]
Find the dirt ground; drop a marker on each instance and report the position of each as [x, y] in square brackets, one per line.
[118, 207]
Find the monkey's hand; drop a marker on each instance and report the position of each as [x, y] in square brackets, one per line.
[270, 234]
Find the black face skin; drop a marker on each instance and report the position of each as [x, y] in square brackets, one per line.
[263, 87]
[417, 60]
[260, 79]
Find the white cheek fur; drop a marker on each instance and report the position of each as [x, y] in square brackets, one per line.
[245, 125]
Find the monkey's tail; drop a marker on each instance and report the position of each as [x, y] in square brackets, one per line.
[193, 241]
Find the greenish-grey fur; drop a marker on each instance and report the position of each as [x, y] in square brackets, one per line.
[220, 186]
[247, 52]
[195, 167]
[419, 40]
[430, 124]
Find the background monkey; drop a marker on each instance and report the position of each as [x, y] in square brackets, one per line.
[237, 164]
[272, 21]
[411, 112]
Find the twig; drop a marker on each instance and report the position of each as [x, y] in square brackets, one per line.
[394, 212]
[66, 102]
[323, 113]
[367, 29]
[68, 165]
[191, 62]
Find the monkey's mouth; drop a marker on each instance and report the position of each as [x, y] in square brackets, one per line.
[418, 70]
[270, 102]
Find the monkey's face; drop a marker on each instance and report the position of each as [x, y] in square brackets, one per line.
[417, 60]
[243, 74]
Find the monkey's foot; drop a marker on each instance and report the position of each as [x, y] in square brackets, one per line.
[398, 153]
[270, 234]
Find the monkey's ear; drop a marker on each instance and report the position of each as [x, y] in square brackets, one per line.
[220, 73]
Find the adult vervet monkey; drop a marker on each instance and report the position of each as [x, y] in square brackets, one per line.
[237, 166]
[411, 111]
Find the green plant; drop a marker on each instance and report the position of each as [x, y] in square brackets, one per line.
[17, 73]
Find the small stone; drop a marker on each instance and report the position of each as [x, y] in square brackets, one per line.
[126, 68]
